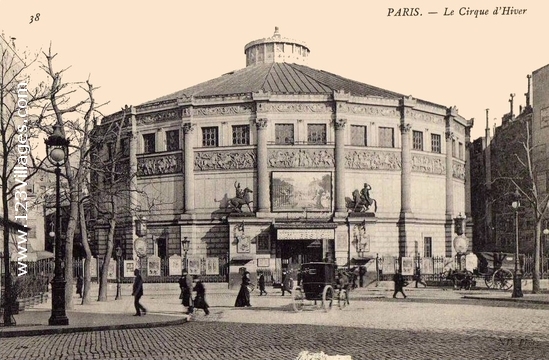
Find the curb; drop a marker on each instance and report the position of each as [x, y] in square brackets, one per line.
[516, 300]
[67, 330]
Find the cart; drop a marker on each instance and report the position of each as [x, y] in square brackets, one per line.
[319, 281]
[497, 269]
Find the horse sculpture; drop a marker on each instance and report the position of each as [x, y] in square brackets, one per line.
[359, 204]
[239, 200]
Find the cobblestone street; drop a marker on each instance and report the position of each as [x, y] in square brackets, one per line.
[439, 325]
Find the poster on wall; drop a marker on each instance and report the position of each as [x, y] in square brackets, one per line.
[93, 267]
[194, 265]
[427, 265]
[388, 265]
[153, 266]
[408, 265]
[212, 266]
[129, 267]
[175, 265]
[301, 191]
[111, 272]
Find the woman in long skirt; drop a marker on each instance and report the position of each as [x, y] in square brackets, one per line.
[243, 298]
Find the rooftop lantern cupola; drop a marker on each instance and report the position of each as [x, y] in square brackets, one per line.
[276, 49]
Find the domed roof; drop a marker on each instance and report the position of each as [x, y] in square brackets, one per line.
[279, 78]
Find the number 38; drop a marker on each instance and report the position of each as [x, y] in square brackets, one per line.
[35, 18]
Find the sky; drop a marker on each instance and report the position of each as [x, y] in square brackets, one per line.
[138, 51]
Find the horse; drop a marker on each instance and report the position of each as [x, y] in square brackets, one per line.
[360, 204]
[237, 202]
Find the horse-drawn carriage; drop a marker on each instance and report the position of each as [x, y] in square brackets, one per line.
[497, 269]
[321, 281]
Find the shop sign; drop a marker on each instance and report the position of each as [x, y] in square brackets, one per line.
[305, 234]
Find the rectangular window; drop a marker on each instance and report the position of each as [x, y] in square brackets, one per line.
[284, 134]
[358, 135]
[241, 135]
[454, 152]
[172, 140]
[435, 143]
[209, 136]
[417, 137]
[386, 137]
[110, 151]
[427, 247]
[316, 134]
[461, 155]
[125, 147]
[149, 143]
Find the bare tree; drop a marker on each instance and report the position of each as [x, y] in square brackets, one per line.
[517, 176]
[75, 120]
[16, 131]
[115, 198]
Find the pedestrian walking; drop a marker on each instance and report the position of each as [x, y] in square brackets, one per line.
[137, 293]
[261, 284]
[79, 285]
[186, 284]
[361, 273]
[287, 282]
[399, 283]
[418, 278]
[200, 298]
[243, 297]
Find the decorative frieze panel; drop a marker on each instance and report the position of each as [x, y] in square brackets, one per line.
[159, 165]
[224, 110]
[295, 107]
[152, 118]
[293, 158]
[369, 110]
[372, 160]
[458, 170]
[224, 160]
[428, 164]
[157, 105]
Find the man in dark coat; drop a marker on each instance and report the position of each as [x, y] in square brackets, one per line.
[261, 284]
[286, 283]
[399, 283]
[200, 298]
[186, 284]
[137, 293]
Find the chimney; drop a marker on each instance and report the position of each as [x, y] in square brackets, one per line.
[511, 105]
[527, 94]
[487, 130]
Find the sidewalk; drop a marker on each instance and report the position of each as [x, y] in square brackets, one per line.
[165, 309]
[109, 315]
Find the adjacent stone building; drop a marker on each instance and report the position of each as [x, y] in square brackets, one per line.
[277, 164]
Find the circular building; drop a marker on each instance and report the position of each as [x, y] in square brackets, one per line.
[277, 164]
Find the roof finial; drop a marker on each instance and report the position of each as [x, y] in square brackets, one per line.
[276, 33]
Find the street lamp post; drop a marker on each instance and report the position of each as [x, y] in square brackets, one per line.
[57, 150]
[118, 275]
[517, 276]
[545, 232]
[185, 247]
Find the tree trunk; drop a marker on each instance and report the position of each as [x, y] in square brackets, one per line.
[87, 269]
[69, 241]
[537, 262]
[103, 283]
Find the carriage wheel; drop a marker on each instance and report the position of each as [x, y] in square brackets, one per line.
[342, 298]
[503, 279]
[298, 298]
[488, 281]
[327, 298]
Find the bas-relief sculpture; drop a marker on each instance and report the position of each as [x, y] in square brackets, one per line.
[428, 164]
[373, 160]
[159, 165]
[224, 160]
[157, 117]
[301, 158]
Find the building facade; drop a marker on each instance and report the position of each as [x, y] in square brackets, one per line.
[278, 164]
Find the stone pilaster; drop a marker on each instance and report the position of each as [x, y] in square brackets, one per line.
[133, 171]
[469, 219]
[339, 153]
[450, 118]
[406, 106]
[188, 130]
[263, 202]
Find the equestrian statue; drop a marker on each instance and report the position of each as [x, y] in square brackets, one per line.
[242, 198]
[361, 201]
